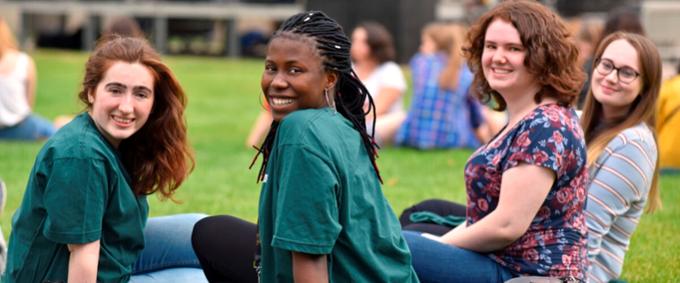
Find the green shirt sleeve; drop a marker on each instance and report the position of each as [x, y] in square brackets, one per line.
[74, 200]
[306, 205]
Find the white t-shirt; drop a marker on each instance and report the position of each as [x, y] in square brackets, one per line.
[388, 74]
[14, 107]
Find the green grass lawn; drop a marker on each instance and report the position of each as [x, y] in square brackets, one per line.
[223, 103]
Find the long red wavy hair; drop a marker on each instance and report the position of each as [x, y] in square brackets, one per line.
[158, 156]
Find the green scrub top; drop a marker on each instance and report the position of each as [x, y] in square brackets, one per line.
[78, 192]
[322, 196]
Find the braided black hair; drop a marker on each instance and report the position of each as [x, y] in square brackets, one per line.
[350, 94]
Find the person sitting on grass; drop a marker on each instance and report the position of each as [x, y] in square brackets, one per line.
[526, 187]
[322, 214]
[18, 78]
[442, 113]
[83, 217]
[668, 123]
[618, 120]
[373, 56]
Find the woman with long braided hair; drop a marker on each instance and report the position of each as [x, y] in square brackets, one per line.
[322, 214]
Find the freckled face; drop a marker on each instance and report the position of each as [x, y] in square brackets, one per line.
[294, 77]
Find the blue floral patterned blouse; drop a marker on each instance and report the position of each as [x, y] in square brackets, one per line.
[555, 243]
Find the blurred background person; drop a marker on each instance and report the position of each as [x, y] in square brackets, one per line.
[373, 56]
[586, 34]
[442, 113]
[123, 26]
[17, 93]
[668, 123]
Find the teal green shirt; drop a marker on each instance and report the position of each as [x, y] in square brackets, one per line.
[78, 192]
[322, 196]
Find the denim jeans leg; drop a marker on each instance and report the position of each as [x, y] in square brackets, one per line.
[167, 250]
[33, 127]
[437, 262]
[172, 275]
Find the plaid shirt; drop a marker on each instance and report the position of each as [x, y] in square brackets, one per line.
[439, 118]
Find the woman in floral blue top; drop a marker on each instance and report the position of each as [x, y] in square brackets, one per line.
[526, 187]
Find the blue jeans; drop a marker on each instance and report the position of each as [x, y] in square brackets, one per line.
[33, 127]
[437, 262]
[168, 255]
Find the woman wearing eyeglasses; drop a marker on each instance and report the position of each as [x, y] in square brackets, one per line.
[618, 121]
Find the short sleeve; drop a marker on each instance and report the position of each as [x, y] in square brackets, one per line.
[74, 200]
[391, 76]
[540, 141]
[306, 206]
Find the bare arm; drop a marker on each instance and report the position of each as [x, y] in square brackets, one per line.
[309, 268]
[388, 96]
[83, 262]
[520, 199]
[31, 78]
[259, 129]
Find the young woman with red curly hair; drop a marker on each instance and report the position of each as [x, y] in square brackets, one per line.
[84, 213]
[525, 188]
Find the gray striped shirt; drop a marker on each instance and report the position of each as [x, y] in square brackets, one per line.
[620, 180]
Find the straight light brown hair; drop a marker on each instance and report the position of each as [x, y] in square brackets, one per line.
[642, 109]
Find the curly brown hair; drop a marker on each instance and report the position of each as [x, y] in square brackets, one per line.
[158, 156]
[551, 54]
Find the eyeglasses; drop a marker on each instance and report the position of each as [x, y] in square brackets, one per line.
[625, 74]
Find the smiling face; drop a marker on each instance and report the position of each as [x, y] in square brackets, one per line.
[614, 95]
[122, 101]
[294, 77]
[503, 60]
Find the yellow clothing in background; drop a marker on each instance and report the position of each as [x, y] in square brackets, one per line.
[668, 123]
